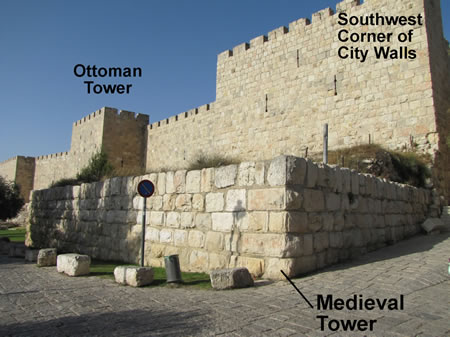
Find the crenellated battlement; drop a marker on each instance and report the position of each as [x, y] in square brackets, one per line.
[113, 113]
[298, 26]
[184, 115]
[57, 155]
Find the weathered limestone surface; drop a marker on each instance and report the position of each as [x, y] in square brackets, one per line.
[134, 276]
[287, 213]
[46, 257]
[73, 264]
[231, 278]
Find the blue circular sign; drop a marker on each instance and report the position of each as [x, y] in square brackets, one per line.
[146, 188]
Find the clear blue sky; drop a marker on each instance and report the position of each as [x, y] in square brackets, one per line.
[175, 43]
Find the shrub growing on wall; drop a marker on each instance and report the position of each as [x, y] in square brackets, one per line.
[97, 169]
[10, 200]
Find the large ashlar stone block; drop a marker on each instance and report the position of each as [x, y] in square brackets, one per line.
[179, 181]
[134, 276]
[156, 218]
[225, 176]
[180, 237]
[207, 179]
[313, 200]
[236, 200]
[170, 186]
[198, 202]
[73, 264]
[184, 202]
[46, 257]
[222, 222]
[196, 239]
[286, 170]
[203, 221]
[231, 278]
[266, 199]
[161, 184]
[251, 173]
[258, 222]
[214, 241]
[312, 174]
[214, 202]
[333, 201]
[193, 179]
[173, 219]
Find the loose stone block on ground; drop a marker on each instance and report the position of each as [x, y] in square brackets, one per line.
[134, 276]
[231, 278]
[73, 264]
[46, 257]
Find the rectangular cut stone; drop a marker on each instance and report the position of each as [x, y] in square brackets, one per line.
[258, 221]
[263, 244]
[236, 200]
[222, 222]
[193, 181]
[161, 184]
[73, 264]
[246, 175]
[214, 202]
[313, 200]
[156, 218]
[214, 241]
[203, 221]
[276, 176]
[179, 181]
[134, 276]
[207, 179]
[173, 219]
[198, 202]
[225, 176]
[183, 202]
[46, 257]
[196, 239]
[170, 187]
[266, 199]
[165, 236]
[180, 237]
[231, 278]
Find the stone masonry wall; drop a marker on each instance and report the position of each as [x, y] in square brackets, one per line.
[20, 170]
[288, 213]
[275, 93]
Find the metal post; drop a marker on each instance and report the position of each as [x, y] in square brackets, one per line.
[325, 143]
[143, 233]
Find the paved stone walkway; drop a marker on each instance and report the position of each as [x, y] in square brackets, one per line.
[40, 302]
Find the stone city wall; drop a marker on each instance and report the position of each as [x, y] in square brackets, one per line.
[288, 213]
[275, 92]
[20, 170]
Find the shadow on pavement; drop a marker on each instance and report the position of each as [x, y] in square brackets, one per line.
[123, 323]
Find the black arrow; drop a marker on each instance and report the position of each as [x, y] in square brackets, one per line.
[282, 272]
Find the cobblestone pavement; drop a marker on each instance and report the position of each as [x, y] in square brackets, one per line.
[40, 302]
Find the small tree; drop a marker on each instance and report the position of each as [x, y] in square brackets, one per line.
[97, 168]
[10, 200]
